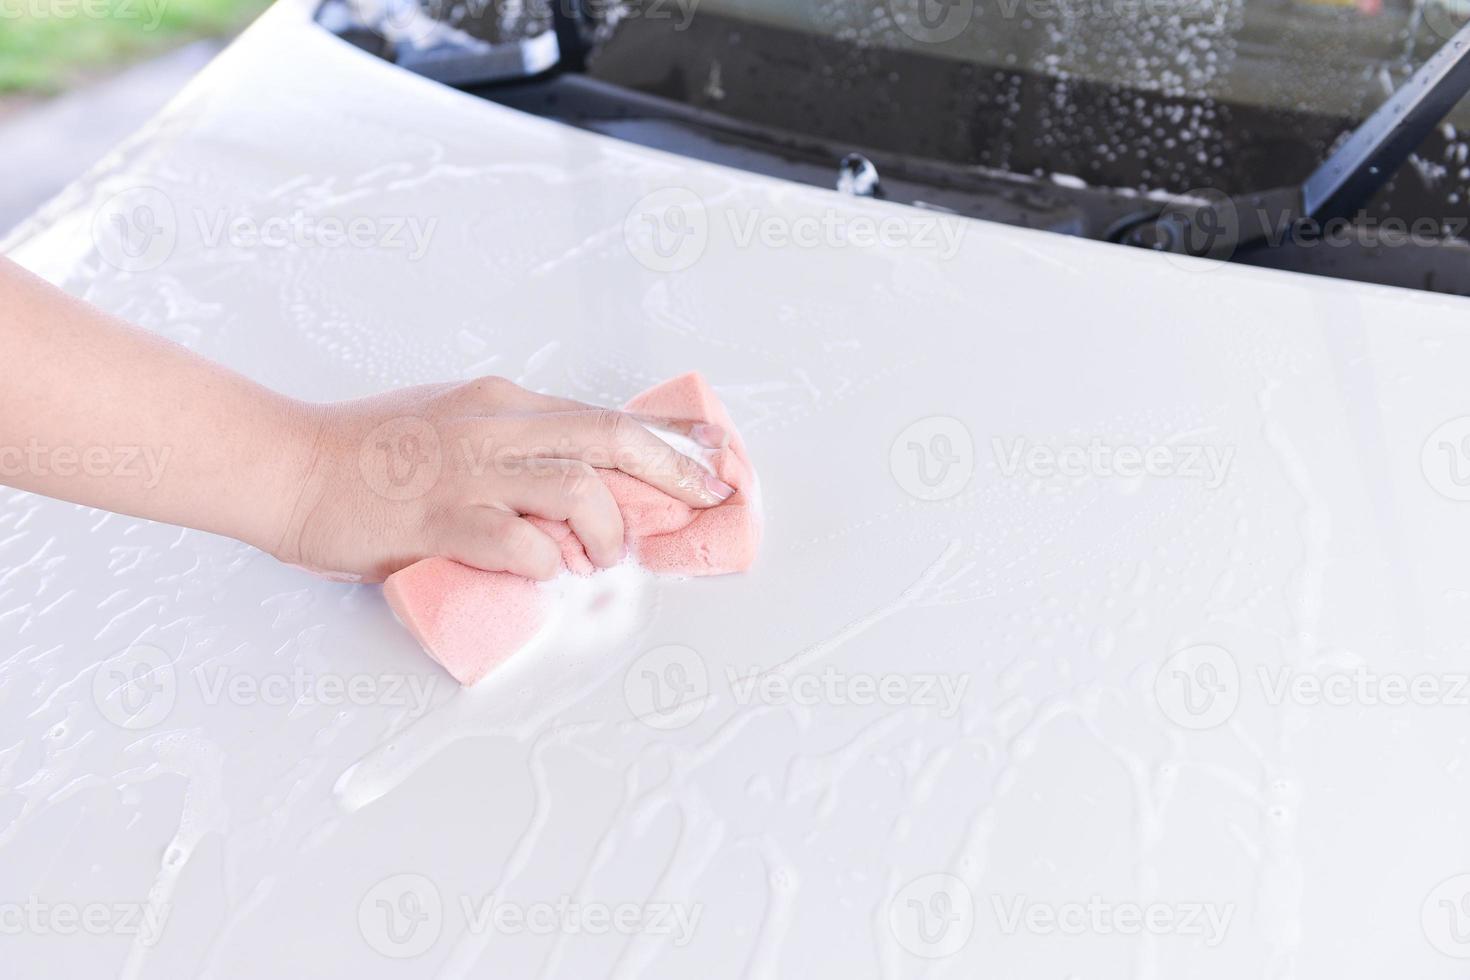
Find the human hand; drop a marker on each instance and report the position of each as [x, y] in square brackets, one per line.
[452, 470]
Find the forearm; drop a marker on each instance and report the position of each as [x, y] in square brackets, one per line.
[103, 414]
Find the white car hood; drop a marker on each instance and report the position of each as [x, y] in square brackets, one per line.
[1306, 517]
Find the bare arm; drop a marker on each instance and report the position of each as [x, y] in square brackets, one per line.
[100, 413]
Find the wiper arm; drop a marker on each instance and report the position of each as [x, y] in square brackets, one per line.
[417, 35]
[1338, 188]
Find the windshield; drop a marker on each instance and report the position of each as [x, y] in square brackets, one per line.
[1151, 95]
[1327, 56]
[1106, 119]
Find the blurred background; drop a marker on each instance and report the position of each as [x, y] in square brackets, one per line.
[76, 76]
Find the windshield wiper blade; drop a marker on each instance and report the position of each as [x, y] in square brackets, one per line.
[1337, 189]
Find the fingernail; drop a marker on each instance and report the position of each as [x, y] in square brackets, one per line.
[708, 435]
[719, 488]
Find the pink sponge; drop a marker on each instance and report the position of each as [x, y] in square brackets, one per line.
[471, 621]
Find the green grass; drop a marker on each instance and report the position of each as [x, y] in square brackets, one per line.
[47, 44]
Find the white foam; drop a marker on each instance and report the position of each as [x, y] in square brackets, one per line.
[589, 619]
[685, 446]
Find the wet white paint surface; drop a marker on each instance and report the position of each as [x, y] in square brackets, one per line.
[1086, 723]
